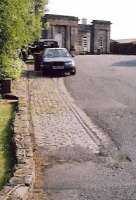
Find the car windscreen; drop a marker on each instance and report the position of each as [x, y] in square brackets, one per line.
[51, 53]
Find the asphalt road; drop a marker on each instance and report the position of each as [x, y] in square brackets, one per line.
[105, 88]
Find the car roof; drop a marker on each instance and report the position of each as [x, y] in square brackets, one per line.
[56, 48]
[44, 40]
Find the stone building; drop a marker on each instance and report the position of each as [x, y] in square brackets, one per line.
[100, 34]
[85, 38]
[62, 28]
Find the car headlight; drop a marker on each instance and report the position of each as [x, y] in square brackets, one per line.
[69, 63]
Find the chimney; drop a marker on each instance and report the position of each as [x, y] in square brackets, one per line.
[84, 21]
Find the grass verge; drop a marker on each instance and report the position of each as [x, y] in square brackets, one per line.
[7, 147]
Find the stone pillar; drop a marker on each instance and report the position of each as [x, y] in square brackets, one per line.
[68, 37]
[95, 42]
[53, 32]
[101, 29]
[108, 41]
[74, 37]
[49, 32]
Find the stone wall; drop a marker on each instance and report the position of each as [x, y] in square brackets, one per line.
[20, 185]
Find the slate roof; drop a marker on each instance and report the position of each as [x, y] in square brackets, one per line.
[125, 41]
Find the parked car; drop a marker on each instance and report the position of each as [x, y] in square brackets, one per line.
[57, 59]
[40, 45]
[48, 43]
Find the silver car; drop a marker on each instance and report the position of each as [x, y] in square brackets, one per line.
[57, 59]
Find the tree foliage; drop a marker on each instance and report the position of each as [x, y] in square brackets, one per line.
[20, 24]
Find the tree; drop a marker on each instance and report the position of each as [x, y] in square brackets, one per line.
[20, 24]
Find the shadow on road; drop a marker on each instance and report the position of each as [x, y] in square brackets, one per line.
[38, 74]
[129, 63]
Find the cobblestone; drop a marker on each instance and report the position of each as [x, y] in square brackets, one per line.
[58, 135]
[55, 126]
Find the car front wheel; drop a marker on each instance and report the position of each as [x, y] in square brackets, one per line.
[73, 72]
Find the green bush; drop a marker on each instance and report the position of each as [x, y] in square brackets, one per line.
[20, 24]
[11, 68]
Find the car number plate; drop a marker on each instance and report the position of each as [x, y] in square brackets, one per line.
[58, 67]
